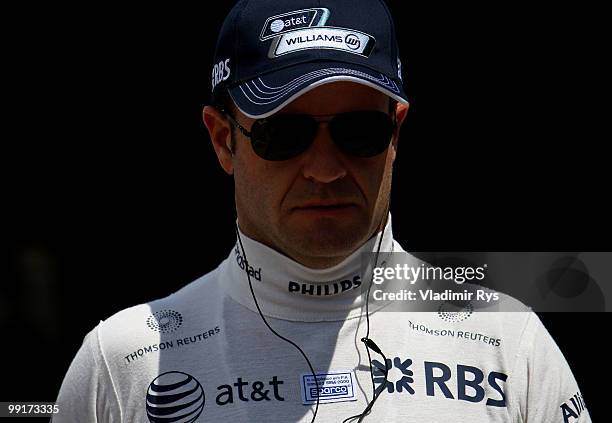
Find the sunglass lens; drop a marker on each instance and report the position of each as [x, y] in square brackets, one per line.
[362, 134]
[282, 137]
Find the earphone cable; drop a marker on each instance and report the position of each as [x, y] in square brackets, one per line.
[314, 416]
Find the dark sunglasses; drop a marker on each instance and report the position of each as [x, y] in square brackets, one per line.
[285, 136]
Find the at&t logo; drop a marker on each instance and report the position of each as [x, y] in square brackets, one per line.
[174, 397]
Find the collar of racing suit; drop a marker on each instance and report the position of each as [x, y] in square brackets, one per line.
[288, 290]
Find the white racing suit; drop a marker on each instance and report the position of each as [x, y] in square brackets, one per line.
[203, 354]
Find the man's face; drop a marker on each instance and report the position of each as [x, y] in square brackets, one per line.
[321, 206]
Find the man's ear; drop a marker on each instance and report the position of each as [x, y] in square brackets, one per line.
[220, 132]
[401, 111]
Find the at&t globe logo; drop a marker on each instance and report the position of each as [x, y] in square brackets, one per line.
[174, 397]
[277, 25]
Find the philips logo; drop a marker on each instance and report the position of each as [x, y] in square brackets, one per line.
[324, 289]
[291, 21]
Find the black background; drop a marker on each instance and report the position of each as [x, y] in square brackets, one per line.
[113, 197]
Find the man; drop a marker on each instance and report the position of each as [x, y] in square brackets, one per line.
[308, 106]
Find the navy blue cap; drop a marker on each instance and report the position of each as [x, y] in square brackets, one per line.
[270, 52]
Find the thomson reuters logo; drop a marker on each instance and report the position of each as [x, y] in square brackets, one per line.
[165, 321]
[453, 313]
[174, 397]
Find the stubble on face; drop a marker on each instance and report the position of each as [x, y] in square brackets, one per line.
[269, 195]
[328, 240]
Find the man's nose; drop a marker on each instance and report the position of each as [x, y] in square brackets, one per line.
[322, 162]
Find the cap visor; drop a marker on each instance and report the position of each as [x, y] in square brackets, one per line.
[269, 93]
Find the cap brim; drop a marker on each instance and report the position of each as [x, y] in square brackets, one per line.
[267, 94]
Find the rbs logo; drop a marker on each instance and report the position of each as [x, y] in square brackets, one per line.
[470, 383]
[221, 72]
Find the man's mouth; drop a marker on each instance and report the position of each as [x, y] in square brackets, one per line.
[325, 204]
[326, 207]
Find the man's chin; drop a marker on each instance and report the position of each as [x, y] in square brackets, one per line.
[323, 236]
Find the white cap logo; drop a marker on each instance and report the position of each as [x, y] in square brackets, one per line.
[277, 25]
[352, 41]
[297, 19]
[399, 68]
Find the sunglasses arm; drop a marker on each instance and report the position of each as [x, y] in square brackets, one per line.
[235, 123]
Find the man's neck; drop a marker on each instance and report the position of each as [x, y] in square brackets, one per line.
[311, 261]
[315, 262]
